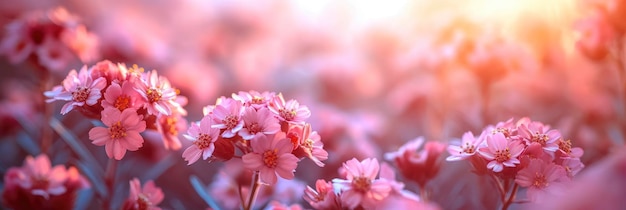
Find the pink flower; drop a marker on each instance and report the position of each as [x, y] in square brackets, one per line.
[275, 205]
[258, 121]
[169, 127]
[83, 43]
[537, 132]
[156, 92]
[203, 137]
[121, 97]
[419, 166]
[79, 89]
[566, 149]
[140, 198]
[469, 146]
[572, 166]
[541, 177]
[254, 98]
[227, 116]
[361, 186]
[122, 132]
[53, 54]
[291, 111]
[501, 152]
[322, 197]
[108, 70]
[37, 185]
[53, 37]
[271, 156]
[309, 145]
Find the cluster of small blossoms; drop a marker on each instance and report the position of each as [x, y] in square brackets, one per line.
[146, 198]
[38, 185]
[267, 132]
[530, 153]
[363, 184]
[52, 38]
[127, 101]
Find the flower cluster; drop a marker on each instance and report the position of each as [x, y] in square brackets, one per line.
[38, 185]
[127, 101]
[602, 28]
[417, 165]
[140, 198]
[364, 184]
[530, 153]
[52, 38]
[267, 132]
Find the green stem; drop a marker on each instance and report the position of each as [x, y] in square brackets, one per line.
[509, 201]
[109, 180]
[254, 190]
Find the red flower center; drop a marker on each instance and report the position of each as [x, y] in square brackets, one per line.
[81, 94]
[143, 203]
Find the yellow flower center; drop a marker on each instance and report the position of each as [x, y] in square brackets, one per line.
[540, 180]
[154, 95]
[270, 158]
[503, 155]
[288, 115]
[122, 102]
[203, 142]
[361, 184]
[117, 130]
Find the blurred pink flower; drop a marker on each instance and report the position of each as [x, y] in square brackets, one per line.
[323, 196]
[227, 115]
[361, 186]
[53, 37]
[53, 54]
[291, 111]
[157, 93]
[79, 89]
[271, 156]
[501, 152]
[275, 205]
[169, 127]
[122, 132]
[468, 147]
[541, 177]
[121, 97]
[203, 137]
[259, 120]
[108, 70]
[146, 198]
[37, 185]
[418, 166]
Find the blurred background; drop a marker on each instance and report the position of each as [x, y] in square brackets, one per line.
[374, 75]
